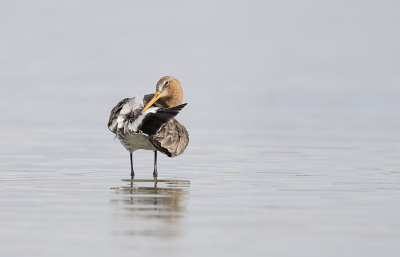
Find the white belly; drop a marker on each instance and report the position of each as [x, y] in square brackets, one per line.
[135, 141]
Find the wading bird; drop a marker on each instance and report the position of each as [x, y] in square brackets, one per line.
[148, 123]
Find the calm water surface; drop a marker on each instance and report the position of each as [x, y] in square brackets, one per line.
[304, 180]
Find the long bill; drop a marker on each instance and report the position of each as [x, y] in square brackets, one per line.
[155, 98]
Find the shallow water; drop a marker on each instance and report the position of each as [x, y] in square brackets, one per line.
[307, 183]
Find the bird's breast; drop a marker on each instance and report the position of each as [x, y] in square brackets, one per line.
[135, 141]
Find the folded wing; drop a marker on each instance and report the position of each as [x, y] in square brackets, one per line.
[172, 139]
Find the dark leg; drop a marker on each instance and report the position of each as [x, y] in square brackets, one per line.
[132, 172]
[155, 173]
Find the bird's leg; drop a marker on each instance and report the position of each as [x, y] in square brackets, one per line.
[155, 173]
[132, 172]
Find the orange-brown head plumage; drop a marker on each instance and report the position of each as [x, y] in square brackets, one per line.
[172, 94]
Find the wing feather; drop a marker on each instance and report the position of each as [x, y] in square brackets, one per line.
[172, 139]
[153, 122]
[112, 121]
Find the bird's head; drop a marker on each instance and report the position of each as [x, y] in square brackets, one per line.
[169, 90]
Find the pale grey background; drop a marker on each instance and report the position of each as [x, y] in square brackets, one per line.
[293, 117]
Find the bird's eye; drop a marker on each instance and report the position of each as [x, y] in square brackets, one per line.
[166, 82]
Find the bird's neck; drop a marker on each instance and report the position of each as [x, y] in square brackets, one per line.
[173, 98]
[170, 101]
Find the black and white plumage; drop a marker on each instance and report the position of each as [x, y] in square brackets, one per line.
[142, 122]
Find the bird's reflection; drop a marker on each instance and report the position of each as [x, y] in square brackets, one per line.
[151, 207]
